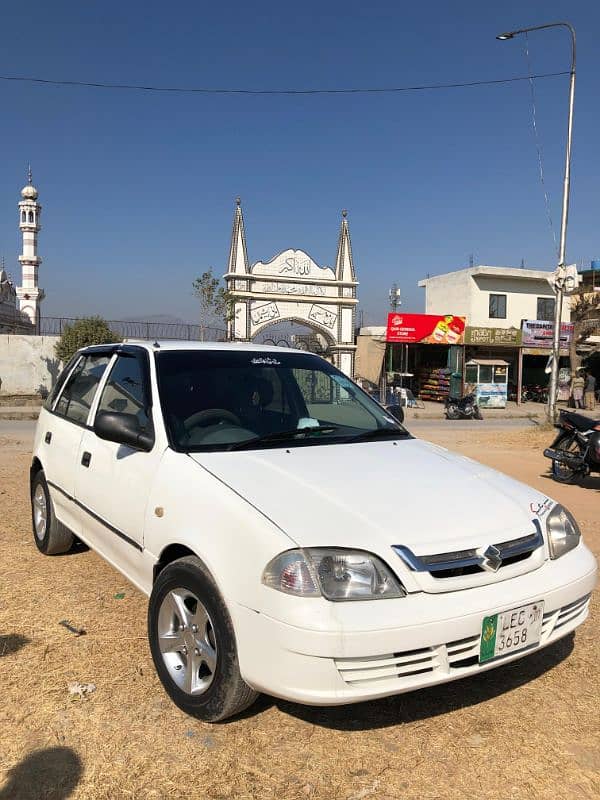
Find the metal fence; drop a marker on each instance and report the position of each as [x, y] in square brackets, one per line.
[135, 329]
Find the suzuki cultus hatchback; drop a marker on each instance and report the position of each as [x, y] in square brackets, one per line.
[293, 537]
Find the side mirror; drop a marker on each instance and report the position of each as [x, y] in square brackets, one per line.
[396, 411]
[114, 426]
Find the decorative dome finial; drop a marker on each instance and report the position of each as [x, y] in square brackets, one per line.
[29, 192]
[238, 202]
[344, 213]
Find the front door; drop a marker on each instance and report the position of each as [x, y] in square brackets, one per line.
[62, 427]
[113, 481]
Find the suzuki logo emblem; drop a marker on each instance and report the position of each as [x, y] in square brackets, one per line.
[490, 559]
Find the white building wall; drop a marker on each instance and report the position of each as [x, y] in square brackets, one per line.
[521, 300]
[467, 293]
[449, 294]
[28, 364]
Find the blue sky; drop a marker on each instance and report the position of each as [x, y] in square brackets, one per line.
[138, 189]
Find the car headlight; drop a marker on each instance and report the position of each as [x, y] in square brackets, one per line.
[563, 531]
[333, 573]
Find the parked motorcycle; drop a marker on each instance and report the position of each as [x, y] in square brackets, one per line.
[576, 450]
[463, 407]
[535, 393]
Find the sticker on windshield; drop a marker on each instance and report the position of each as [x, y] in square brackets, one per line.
[265, 360]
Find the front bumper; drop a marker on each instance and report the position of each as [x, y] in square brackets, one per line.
[359, 652]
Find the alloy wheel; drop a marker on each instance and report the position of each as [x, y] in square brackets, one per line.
[186, 638]
[40, 512]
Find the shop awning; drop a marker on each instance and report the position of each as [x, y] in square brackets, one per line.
[369, 358]
[492, 362]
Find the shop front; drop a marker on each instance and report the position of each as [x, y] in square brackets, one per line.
[492, 364]
[536, 339]
[425, 354]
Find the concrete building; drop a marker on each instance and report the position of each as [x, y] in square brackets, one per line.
[494, 297]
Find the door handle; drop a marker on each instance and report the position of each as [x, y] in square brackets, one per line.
[48, 437]
[86, 458]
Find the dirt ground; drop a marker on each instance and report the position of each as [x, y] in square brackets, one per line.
[527, 730]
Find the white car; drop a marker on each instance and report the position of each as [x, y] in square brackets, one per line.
[294, 538]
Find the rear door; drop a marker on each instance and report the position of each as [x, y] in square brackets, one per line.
[113, 481]
[62, 425]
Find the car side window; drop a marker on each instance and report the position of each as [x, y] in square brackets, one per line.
[77, 396]
[126, 390]
[57, 388]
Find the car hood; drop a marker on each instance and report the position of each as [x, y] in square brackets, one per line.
[373, 495]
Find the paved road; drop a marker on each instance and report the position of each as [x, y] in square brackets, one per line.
[21, 431]
[516, 423]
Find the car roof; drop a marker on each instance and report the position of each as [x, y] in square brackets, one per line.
[159, 345]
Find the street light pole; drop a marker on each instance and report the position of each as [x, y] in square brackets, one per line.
[565, 209]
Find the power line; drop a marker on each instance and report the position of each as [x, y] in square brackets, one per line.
[538, 146]
[212, 90]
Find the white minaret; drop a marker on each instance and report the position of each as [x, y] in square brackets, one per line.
[29, 294]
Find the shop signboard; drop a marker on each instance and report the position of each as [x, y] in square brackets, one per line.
[493, 337]
[538, 333]
[425, 328]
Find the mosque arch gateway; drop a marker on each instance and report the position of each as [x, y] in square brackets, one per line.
[292, 287]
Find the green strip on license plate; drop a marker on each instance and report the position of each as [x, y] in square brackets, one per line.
[488, 638]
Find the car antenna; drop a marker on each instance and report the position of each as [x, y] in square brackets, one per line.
[156, 344]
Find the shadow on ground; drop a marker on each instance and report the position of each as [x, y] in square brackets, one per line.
[589, 482]
[12, 643]
[432, 702]
[51, 773]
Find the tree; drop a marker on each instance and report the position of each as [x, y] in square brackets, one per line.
[585, 316]
[84, 332]
[215, 301]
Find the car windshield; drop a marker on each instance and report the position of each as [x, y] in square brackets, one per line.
[250, 399]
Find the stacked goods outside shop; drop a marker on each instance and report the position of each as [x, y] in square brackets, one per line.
[434, 384]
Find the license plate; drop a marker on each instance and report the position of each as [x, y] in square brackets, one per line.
[509, 631]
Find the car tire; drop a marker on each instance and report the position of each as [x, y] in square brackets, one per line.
[50, 535]
[193, 645]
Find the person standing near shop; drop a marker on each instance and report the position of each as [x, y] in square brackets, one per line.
[590, 391]
[577, 388]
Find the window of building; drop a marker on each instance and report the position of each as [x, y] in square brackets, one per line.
[485, 373]
[497, 306]
[471, 373]
[78, 395]
[545, 308]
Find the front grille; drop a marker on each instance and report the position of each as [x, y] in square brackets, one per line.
[475, 560]
[405, 668]
[370, 671]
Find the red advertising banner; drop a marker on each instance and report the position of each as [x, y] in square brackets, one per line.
[425, 328]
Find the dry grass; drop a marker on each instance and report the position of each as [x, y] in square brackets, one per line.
[529, 730]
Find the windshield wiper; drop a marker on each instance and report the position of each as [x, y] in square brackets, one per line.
[378, 433]
[282, 436]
